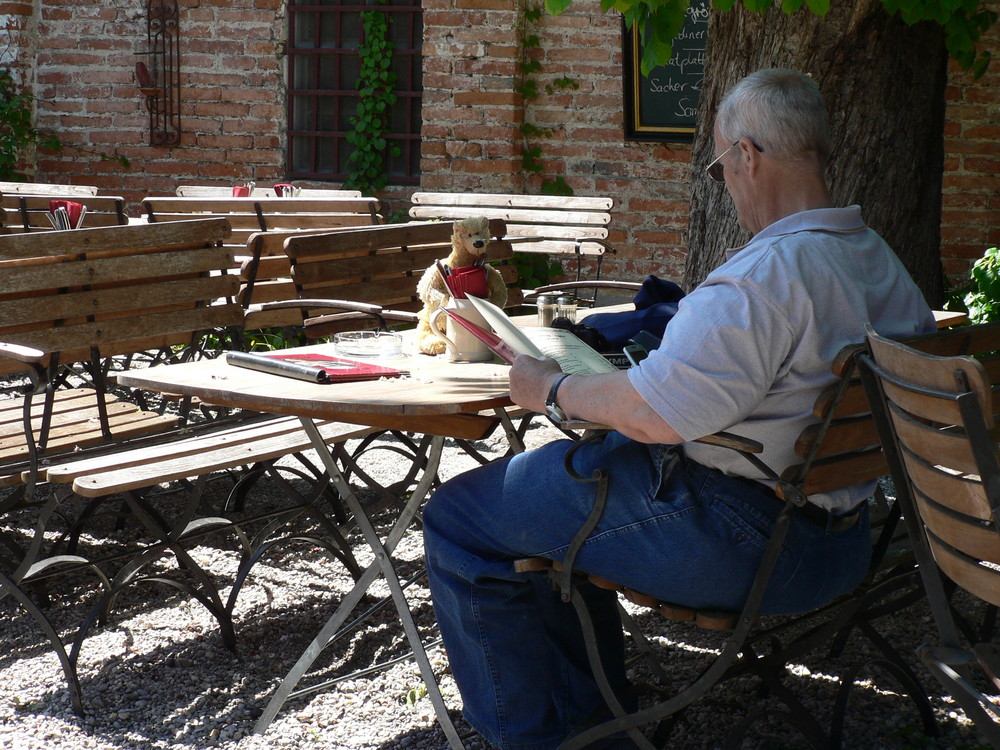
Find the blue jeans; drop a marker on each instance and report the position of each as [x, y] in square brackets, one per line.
[672, 528]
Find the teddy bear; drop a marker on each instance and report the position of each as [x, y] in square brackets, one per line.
[469, 241]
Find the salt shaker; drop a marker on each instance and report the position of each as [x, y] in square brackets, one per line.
[546, 309]
[566, 308]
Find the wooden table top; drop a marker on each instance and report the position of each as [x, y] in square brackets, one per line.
[434, 388]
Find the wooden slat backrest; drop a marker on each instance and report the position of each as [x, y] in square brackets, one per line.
[266, 276]
[119, 289]
[557, 220]
[221, 191]
[45, 188]
[250, 215]
[848, 449]
[28, 213]
[941, 409]
[381, 265]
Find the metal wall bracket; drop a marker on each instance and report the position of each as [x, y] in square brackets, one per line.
[158, 72]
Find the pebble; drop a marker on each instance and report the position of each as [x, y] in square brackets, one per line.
[158, 676]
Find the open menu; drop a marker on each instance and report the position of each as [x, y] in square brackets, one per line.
[316, 368]
[573, 355]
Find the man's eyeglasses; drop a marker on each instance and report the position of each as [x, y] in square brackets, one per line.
[715, 169]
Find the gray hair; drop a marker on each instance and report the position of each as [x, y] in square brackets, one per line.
[782, 111]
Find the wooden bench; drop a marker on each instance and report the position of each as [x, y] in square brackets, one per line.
[562, 226]
[75, 300]
[375, 269]
[250, 215]
[29, 213]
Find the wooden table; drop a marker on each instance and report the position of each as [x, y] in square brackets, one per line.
[437, 398]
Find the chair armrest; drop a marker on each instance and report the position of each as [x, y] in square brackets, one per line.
[629, 286]
[343, 306]
[606, 246]
[331, 304]
[19, 353]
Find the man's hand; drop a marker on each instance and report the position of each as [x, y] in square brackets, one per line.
[530, 380]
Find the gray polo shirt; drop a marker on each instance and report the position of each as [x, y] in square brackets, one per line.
[751, 348]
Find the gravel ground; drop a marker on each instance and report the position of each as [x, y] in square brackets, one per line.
[158, 675]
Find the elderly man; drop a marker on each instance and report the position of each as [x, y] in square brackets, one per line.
[747, 352]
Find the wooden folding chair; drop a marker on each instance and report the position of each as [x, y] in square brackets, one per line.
[840, 450]
[936, 418]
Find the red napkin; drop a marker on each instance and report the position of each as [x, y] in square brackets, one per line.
[468, 280]
[72, 209]
[279, 189]
[241, 191]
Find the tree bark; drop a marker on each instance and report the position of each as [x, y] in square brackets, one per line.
[884, 86]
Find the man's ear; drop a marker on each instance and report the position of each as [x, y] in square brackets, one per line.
[750, 156]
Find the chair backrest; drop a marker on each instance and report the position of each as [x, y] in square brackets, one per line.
[936, 418]
[557, 222]
[941, 412]
[842, 448]
[117, 290]
[379, 265]
[250, 215]
[224, 191]
[45, 188]
[266, 276]
[30, 213]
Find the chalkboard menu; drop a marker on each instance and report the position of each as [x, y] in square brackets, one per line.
[662, 106]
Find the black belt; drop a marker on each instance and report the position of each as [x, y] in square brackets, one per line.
[826, 519]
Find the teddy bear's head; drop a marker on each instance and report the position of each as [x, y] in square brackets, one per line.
[471, 235]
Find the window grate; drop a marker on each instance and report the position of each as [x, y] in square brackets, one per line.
[323, 67]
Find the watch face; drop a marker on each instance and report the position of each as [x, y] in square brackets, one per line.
[554, 412]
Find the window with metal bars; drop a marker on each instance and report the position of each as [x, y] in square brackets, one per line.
[323, 67]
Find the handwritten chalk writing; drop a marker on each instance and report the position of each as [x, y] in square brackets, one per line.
[687, 108]
[670, 85]
[667, 99]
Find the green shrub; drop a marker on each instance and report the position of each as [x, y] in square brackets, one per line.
[981, 295]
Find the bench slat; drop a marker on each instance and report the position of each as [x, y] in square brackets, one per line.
[101, 242]
[124, 329]
[505, 199]
[217, 456]
[518, 215]
[83, 432]
[78, 304]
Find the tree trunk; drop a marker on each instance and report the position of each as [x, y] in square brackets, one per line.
[884, 85]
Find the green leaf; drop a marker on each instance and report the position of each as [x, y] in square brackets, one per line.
[819, 7]
[556, 7]
[978, 68]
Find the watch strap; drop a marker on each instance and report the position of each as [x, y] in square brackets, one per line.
[550, 400]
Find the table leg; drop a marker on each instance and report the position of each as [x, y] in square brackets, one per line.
[382, 565]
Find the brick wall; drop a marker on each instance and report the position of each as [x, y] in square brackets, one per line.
[970, 216]
[233, 114]
[232, 103]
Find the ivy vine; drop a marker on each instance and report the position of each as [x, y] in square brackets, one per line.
[527, 86]
[17, 129]
[377, 98]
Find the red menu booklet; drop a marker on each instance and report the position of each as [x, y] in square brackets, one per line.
[316, 368]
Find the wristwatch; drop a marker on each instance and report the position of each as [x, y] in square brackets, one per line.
[551, 407]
